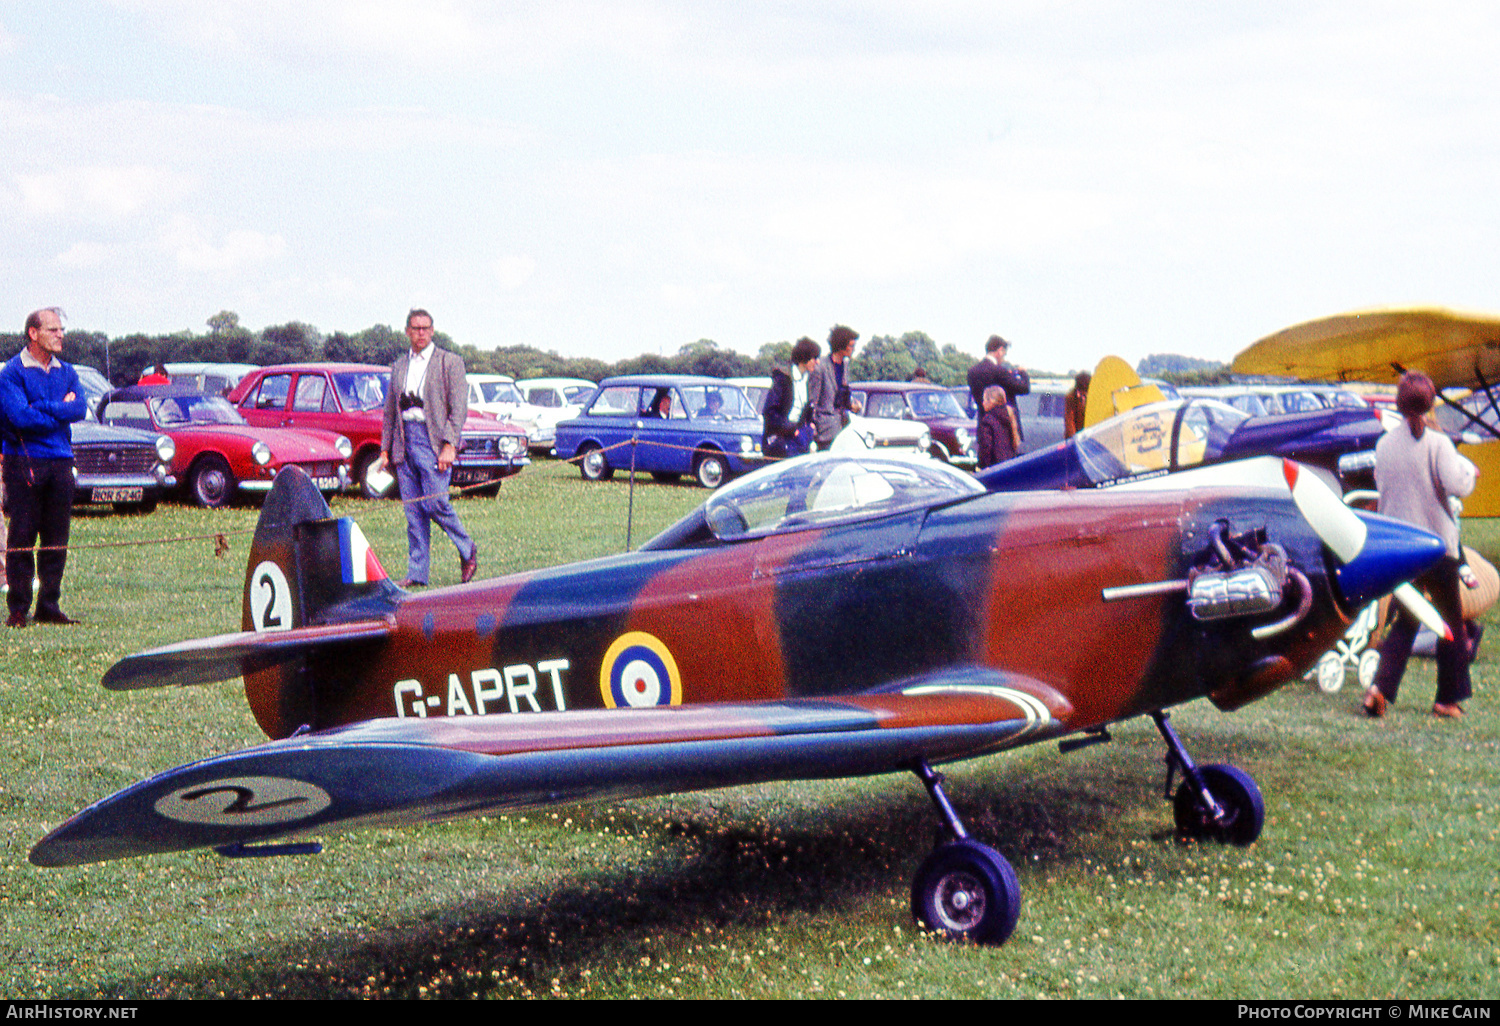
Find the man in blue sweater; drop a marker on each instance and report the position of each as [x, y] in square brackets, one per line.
[39, 397]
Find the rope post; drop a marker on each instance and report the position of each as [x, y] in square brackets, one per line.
[630, 508]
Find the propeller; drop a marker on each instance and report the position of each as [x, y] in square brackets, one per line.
[1347, 534]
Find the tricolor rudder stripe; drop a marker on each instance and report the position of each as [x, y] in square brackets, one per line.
[358, 562]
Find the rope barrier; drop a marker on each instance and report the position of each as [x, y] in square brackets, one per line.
[221, 538]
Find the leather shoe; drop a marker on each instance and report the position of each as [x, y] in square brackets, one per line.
[1374, 702]
[56, 616]
[1450, 712]
[407, 582]
[468, 566]
[16, 620]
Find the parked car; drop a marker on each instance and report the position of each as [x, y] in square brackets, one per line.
[953, 432]
[863, 432]
[218, 455]
[555, 400]
[350, 398]
[498, 396]
[128, 469]
[209, 378]
[755, 388]
[682, 424]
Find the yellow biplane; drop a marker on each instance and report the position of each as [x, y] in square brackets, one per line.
[1456, 349]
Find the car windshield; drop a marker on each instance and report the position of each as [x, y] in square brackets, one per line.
[934, 403]
[814, 490]
[1157, 437]
[498, 392]
[184, 410]
[361, 390]
[718, 402]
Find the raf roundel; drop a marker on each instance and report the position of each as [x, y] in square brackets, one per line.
[639, 672]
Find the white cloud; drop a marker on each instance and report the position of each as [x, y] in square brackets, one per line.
[91, 193]
[240, 248]
[514, 271]
[85, 255]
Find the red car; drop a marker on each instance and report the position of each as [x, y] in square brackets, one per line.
[349, 398]
[218, 454]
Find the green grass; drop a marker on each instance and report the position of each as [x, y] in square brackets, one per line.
[1378, 874]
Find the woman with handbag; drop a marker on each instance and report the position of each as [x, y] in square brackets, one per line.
[1416, 471]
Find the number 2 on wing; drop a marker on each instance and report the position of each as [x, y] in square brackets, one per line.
[270, 599]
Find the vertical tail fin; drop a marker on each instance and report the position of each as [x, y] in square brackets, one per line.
[306, 569]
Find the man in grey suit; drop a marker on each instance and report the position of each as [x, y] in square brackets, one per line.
[425, 409]
[828, 386]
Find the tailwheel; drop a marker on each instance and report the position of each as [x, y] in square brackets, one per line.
[1241, 812]
[967, 891]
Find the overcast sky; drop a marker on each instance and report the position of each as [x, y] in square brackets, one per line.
[605, 179]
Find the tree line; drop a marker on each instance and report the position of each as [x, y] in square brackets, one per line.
[879, 358]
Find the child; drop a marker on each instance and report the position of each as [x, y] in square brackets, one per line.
[999, 438]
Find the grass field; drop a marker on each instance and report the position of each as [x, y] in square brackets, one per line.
[1378, 874]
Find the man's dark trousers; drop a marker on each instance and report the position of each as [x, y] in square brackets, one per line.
[39, 501]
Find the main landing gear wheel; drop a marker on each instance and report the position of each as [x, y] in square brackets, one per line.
[964, 890]
[1243, 809]
[967, 891]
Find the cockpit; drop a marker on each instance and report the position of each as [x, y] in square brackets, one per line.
[817, 491]
[1158, 437]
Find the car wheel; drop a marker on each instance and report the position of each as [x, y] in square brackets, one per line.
[210, 483]
[368, 468]
[594, 465]
[710, 468]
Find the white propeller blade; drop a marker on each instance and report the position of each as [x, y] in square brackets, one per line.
[1344, 533]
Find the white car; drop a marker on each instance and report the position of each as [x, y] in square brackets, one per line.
[553, 401]
[497, 395]
[880, 433]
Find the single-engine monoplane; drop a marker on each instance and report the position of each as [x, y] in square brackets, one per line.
[828, 616]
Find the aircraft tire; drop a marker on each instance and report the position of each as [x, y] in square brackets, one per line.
[1234, 790]
[966, 890]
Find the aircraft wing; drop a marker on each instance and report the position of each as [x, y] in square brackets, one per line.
[1451, 347]
[399, 771]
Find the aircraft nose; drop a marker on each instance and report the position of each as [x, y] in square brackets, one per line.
[1393, 553]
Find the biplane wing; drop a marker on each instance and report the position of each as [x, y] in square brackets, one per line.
[1453, 348]
[403, 771]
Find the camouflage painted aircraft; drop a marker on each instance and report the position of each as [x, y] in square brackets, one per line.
[828, 616]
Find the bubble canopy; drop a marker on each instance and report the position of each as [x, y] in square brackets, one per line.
[828, 488]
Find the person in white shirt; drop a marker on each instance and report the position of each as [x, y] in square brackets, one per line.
[425, 409]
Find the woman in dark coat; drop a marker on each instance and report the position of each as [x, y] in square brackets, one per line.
[787, 415]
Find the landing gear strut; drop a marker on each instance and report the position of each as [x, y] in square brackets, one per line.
[964, 890]
[1214, 803]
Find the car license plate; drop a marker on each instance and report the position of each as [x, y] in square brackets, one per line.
[463, 477]
[118, 494]
[326, 483]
